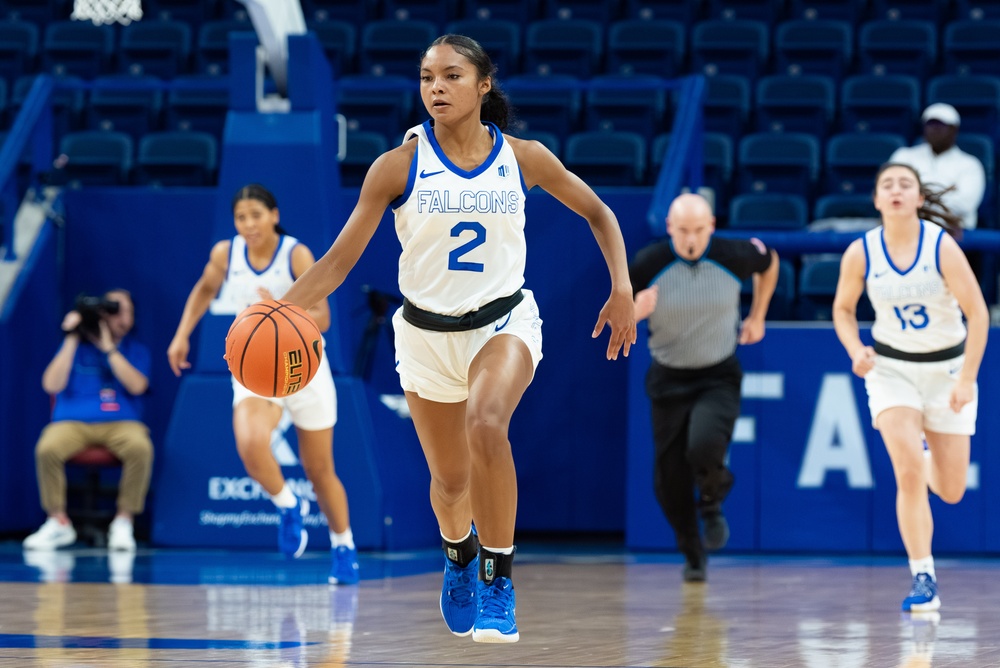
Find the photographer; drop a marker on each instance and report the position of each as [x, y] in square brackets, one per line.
[98, 377]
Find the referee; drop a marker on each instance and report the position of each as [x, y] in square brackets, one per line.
[689, 287]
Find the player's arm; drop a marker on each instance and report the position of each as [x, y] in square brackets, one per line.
[963, 284]
[385, 181]
[850, 286]
[764, 283]
[540, 167]
[302, 259]
[197, 303]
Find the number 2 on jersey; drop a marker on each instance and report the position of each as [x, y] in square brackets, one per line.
[454, 261]
[913, 315]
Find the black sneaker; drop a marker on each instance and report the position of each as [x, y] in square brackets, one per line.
[715, 529]
[695, 568]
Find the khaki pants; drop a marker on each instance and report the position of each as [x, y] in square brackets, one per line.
[127, 439]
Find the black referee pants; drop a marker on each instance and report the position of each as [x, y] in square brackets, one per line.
[693, 413]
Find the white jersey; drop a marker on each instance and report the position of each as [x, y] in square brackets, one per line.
[915, 312]
[462, 232]
[240, 287]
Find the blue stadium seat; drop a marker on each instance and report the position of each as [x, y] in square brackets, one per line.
[846, 205]
[78, 48]
[18, 49]
[730, 47]
[519, 11]
[817, 287]
[803, 103]
[635, 103]
[602, 11]
[394, 47]
[68, 101]
[935, 11]
[438, 12]
[972, 47]
[606, 158]
[977, 9]
[378, 104]
[355, 12]
[125, 103]
[982, 146]
[95, 158]
[727, 105]
[717, 162]
[212, 54]
[870, 103]
[339, 40]
[685, 11]
[546, 103]
[820, 46]
[770, 211]
[754, 10]
[906, 46]
[549, 140]
[363, 147]
[778, 162]
[39, 12]
[653, 46]
[501, 39]
[176, 159]
[976, 97]
[190, 12]
[197, 102]
[782, 301]
[852, 11]
[853, 158]
[157, 48]
[572, 46]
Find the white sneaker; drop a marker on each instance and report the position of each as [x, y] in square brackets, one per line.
[120, 535]
[52, 535]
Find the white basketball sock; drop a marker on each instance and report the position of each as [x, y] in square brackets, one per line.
[285, 498]
[925, 565]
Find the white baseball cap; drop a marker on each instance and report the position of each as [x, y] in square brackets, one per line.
[945, 113]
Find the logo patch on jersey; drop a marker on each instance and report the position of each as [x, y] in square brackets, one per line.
[759, 245]
[425, 175]
[503, 170]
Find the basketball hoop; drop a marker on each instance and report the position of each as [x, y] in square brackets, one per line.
[107, 11]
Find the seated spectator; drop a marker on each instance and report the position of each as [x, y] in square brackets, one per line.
[98, 377]
[939, 161]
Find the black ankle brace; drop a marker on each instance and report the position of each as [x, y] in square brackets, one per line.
[461, 553]
[493, 565]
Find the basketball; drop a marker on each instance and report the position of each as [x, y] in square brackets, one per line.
[274, 348]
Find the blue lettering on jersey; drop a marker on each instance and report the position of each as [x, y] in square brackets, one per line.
[468, 201]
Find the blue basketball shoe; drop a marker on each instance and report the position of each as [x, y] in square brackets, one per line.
[497, 605]
[458, 596]
[292, 536]
[345, 566]
[923, 595]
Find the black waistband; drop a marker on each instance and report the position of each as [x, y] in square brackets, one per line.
[936, 356]
[484, 315]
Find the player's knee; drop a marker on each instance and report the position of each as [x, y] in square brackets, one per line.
[951, 493]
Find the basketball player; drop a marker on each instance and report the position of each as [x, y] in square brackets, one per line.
[261, 262]
[468, 336]
[920, 373]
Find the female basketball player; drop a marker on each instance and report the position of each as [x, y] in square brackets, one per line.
[261, 262]
[468, 337]
[920, 374]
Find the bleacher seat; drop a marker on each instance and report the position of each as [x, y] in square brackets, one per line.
[906, 46]
[935, 11]
[394, 47]
[378, 104]
[853, 158]
[156, 48]
[340, 44]
[685, 11]
[726, 107]
[438, 12]
[362, 149]
[212, 54]
[519, 11]
[176, 159]
[555, 46]
[95, 158]
[190, 12]
[782, 301]
[717, 164]
[753, 10]
[803, 103]
[549, 140]
[546, 103]
[819, 46]
[68, 101]
[730, 47]
[769, 211]
[39, 12]
[654, 46]
[870, 103]
[976, 97]
[78, 48]
[846, 205]
[355, 12]
[982, 146]
[602, 11]
[18, 49]
[606, 158]
[635, 103]
[125, 103]
[972, 47]
[500, 38]
[197, 102]
[852, 11]
[977, 9]
[817, 286]
[778, 162]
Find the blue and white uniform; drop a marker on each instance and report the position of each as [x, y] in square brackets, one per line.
[917, 318]
[314, 407]
[463, 246]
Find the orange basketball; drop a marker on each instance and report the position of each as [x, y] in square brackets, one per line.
[274, 348]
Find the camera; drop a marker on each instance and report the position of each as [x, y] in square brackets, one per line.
[91, 310]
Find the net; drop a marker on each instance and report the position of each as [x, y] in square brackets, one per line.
[107, 11]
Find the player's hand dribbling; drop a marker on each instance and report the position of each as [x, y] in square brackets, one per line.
[619, 313]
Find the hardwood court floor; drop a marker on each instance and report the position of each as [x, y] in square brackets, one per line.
[576, 608]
